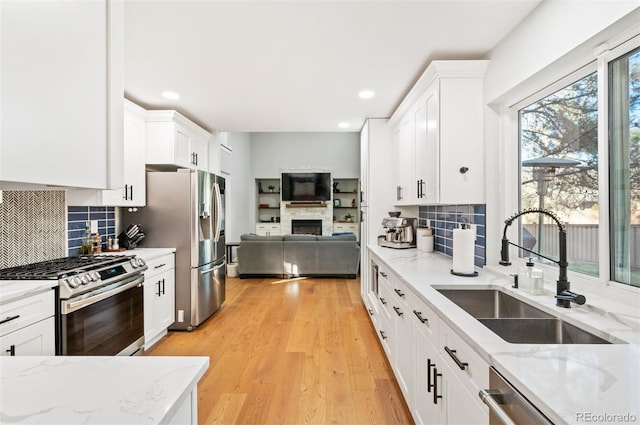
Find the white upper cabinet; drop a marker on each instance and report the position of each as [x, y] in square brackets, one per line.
[438, 136]
[62, 90]
[173, 140]
[132, 193]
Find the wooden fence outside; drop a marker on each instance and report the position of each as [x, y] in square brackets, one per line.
[582, 242]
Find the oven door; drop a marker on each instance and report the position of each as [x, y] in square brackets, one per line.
[106, 322]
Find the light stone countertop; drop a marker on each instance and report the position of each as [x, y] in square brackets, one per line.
[13, 289]
[563, 381]
[96, 390]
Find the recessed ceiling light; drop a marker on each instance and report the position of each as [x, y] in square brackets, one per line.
[366, 94]
[344, 125]
[170, 95]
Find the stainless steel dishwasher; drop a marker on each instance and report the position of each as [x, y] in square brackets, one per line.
[507, 406]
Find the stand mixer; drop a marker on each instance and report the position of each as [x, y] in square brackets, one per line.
[400, 232]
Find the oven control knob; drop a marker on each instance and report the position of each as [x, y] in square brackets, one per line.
[85, 279]
[70, 283]
[95, 276]
[75, 282]
[141, 262]
[134, 262]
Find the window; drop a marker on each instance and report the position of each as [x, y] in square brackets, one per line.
[624, 171]
[559, 173]
[559, 145]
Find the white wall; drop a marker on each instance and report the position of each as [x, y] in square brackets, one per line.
[239, 218]
[263, 155]
[337, 152]
[551, 42]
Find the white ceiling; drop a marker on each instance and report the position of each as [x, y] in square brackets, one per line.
[298, 65]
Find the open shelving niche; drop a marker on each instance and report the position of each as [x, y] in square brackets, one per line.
[347, 191]
[267, 200]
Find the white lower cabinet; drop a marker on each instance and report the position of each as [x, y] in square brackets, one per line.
[159, 298]
[438, 373]
[268, 229]
[347, 227]
[27, 327]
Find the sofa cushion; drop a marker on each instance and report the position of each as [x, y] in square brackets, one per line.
[345, 237]
[247, 237]
[299, 237]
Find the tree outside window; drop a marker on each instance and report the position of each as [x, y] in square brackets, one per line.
[559, 171]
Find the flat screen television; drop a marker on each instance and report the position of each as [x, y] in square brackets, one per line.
[306, 187]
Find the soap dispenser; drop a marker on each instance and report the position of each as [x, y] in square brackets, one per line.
[531, 279]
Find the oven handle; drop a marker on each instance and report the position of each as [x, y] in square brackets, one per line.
[71, 306]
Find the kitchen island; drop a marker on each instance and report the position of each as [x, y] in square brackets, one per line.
[569, 383]
[100, 390]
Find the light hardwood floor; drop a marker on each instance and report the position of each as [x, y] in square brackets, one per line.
[291, 352]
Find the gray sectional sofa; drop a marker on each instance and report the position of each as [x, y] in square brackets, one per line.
[298, 255]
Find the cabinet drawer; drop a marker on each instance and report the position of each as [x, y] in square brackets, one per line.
[37, 339]
[423, 316]
[25, 311]
[160, 264]
[475, 373]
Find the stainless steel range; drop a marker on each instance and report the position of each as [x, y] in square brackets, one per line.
[100, 298]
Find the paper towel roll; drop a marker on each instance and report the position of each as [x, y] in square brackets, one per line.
[463, 250]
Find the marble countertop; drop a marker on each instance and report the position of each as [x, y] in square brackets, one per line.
[96, 390]
[566, 382]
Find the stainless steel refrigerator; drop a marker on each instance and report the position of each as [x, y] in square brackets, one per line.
[185, 210]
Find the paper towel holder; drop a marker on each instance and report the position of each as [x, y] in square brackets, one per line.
[453, 272]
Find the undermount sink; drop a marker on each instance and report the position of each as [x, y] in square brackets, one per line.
[491, 303]
[516, 321]
[540, 331]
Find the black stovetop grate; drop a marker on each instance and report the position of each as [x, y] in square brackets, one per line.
[57, 268]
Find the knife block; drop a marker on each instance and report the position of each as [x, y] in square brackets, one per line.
[130, 238]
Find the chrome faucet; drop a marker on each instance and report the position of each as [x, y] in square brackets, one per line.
[564, 296]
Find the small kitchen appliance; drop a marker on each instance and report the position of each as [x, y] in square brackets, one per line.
[100, 302]
[400, 232]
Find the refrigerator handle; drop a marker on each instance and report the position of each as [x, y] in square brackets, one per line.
[218, 209]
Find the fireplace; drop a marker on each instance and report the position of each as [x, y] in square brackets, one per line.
[307, 227]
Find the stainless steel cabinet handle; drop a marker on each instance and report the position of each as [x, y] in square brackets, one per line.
[126, 192]
[383, 301]
[419, 316]
[370, 312]
[383, 335]
[487, 397]
[158, 283]
[159, 265]
[131, 193]
[397, 309]
[162, 286]
[11, 350]
[452, 353]
[9, 318]
[399, 292]
[383, 274]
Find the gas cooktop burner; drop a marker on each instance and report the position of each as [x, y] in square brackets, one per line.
[60, 267]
